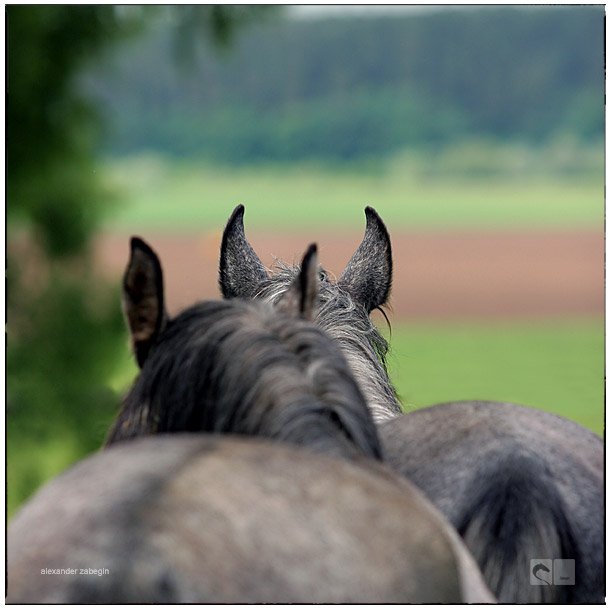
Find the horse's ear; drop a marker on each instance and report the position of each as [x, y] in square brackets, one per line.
[301, 298]
[241, 271]
[143, 302]
[368, 274]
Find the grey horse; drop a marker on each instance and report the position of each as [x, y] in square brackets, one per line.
[519, 485]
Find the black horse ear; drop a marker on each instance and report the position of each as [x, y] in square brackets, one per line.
[143, 302]
[368, 275]
[301, 298]
[241, 271]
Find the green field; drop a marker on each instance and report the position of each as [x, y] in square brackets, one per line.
[555, 366]
[153, 193]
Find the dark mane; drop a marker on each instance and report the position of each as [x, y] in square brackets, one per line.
[245, 368]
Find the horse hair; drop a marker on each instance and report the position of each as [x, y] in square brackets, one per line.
[349, 324]
[245, 368]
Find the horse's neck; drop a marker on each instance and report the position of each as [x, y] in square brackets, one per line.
[374, 385]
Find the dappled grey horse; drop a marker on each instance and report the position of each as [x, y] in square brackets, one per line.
[519, 485]
[288, 504]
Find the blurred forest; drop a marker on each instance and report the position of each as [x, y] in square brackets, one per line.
[236, 86]
[352, 88]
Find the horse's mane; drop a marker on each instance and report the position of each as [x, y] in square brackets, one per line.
[245, 368]
[350, 325]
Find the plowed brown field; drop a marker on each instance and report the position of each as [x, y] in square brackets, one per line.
[462, 275]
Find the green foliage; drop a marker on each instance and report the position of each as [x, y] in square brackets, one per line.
[344, 127]
[63, 343]
[62, 329]
[51, 128]
[218, 22]
[353, 88]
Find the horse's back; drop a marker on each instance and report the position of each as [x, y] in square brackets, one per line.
[517, 483]
[469, 437]
[200, 519]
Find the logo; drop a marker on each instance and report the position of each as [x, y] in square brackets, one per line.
[547, 572]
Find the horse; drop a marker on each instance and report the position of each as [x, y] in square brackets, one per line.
[518, 484]
[243, 467]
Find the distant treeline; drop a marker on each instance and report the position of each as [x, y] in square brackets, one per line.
[354, 88]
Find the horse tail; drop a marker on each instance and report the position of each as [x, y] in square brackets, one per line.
[517, 516]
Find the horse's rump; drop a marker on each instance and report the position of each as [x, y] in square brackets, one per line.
[194, 518]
